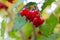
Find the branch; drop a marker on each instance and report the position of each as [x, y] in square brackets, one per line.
[9, 14]
[34, 32]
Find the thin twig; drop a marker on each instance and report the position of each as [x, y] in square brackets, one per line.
[9, 14]
[34, 32]
[23, 36]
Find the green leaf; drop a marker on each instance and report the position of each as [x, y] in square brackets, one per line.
[27, 29]
[58, 34]
[41, 37]
[46, 3]
[48, 27]
[12, 34]
[15, 35]
[18, 38]
[3, 25]
[18, 22]
[51, 37]
[38, 37]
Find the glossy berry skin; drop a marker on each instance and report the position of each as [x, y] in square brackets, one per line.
[11, 1]
[30, 37]
[39, 32]
[37, 21]
[32, 16]
[24, 12]
[41, 21]
[29, 14]
[2, 5]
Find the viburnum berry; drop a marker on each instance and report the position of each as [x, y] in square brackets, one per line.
[24, 12]
[2, 5]
[32, 16]
[41, 20]
[37, 21]
[30, 37]
[11, 1]
[33, 13]
[39, 32]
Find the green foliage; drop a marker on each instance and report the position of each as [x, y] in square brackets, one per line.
[27, 29]
[15, 35]
[57, 10]
[46, 3]
[58, 34]
[48, 27]
[3, 25]
[18, 22]
[41, 37]
[12, 34]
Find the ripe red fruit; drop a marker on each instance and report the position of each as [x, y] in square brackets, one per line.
[30, 37]
[41, 21]
[39, 32]
[37, 21]
[24, 12]
[11, 1]
[34, 13]
[2, 5]
[32, 16]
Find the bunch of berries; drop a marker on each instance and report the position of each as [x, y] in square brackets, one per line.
[11, 1]
[2, 5]
[32, 16]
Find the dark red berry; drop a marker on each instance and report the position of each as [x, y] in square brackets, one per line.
[39, 32]
[30, 37]
[11, 1]
[2, 5]
[32, 16]
[24, 12]
[37, 21]
[41, 21]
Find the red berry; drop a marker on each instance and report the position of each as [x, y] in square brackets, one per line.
[32, 16]
[41, 21]
[5, 7]
[24, 12]
[30, 37]
[39, 32]
[21, 13]
[11, 1]
[2, 5]
[36, 11]
[37, 21]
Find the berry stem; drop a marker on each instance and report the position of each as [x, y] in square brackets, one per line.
[34, 32]
[9, 14]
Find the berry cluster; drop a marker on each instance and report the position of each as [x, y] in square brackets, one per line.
[32, 16]
[2, 5]
[11, 1]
